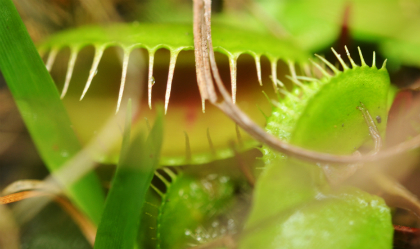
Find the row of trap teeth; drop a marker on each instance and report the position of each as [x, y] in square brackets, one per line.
[99, 50]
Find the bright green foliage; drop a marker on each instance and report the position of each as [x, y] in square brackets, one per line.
[41, 108]
[347, 219]
[189, 209]
[331, 121]
[293, 207]
[138, 161]
[324, 115]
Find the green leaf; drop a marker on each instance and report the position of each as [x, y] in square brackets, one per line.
[348, 219]
[41, 108]
[119, 224]
[194, 204]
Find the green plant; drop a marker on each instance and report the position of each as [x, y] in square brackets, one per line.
[304, 180]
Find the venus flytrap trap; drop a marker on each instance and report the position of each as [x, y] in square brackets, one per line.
[321, 119]
[293, 198]
[152, 37]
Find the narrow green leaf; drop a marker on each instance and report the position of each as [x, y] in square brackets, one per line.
[119, 223]
[41, 108]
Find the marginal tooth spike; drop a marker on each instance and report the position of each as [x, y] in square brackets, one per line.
[307, 78]
[233, 71]
[292, 69]
[278, 82]
[362, 60]
[123, 77]
[262, 112]
[268, 98]
[170, 173]
[350, 59]
[289, 94]
[99, 51]
[157, 190]
[374, 60]
[162, 178]
[51, 58]
[297, 82]
[307, 70]
[212, 149]
[258, 65]
[203, 105]
[331, 66]
[187, 147]
[172, 62]
[345, 67]
[73, 55]
[384, 64]
[274, 73]
[150, 81]
[322, 70]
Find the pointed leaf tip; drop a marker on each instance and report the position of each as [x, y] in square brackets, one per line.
[362, 60]
[343, 64]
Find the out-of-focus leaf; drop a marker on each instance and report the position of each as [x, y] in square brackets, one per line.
[194, 205]
[139, 159]
[348, 219]
[41, 108]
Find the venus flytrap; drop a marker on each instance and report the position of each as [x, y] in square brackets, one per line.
[292, 197]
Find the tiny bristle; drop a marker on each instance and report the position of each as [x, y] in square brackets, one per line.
[262, 112]
[73, 56]
[384, 64]
[374, 60]
[331, 66]
[307, 78]
[162, 178]
[170, 173]
[321, 69]
[258, 65]
[278, 82]
[187, 147]
[157, 190]
[151, 80]
[123, 78]
[362, 60]
[93, 70]
[350, 59]
[268, 98]
[51, 58]
[343, 64]
[274, 73]
[288, 94]
[172, 62]
[307, 70]
[296, 81]
[212, 149]
[233, 71]
[292, 69]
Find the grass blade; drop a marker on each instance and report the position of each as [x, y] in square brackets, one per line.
[138, 161]
[41, 108]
